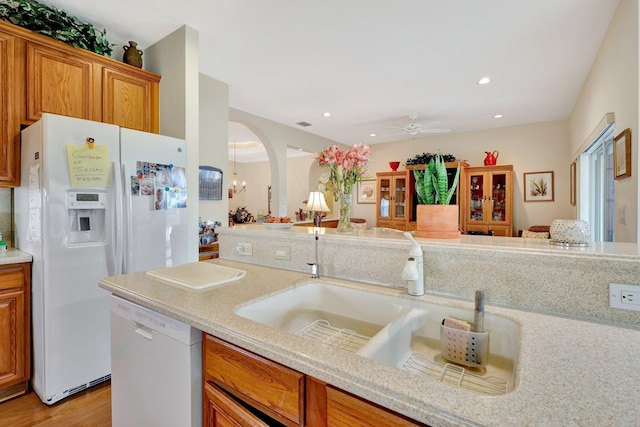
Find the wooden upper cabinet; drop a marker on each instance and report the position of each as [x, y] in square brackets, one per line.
[41, 75]
[9, 141]
[58, 82]
[130, 100]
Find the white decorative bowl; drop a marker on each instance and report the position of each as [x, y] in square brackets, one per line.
[572, 232]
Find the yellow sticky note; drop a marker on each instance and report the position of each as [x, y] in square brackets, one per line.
[89, 167]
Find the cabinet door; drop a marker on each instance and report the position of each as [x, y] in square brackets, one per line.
[476, 195]
[58, 82]
[399, 211]
[392, 200]
[222, 410]
[129, 100]
[12, 336]
[15, 361]
[384, 197]
[499, 208]
[9, 137]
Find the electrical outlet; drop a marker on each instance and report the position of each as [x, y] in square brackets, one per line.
[283, 253]
[629, 297]
[626, 297]
[244, 249]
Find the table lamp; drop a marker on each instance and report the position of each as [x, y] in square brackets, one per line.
[317, 204]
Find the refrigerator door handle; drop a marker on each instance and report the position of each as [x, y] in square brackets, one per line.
[127, 231]
[117, 246]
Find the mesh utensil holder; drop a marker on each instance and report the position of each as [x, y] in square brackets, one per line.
[463, 347]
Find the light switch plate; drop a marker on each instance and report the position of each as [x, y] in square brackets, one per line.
[283, 253]
[244, 249]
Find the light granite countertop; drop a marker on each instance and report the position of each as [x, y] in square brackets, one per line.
[570, 372]
[14, 256]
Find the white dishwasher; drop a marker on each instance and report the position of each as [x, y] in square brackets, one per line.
[156, 368]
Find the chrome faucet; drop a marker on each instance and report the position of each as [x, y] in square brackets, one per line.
[413, 271]
[315, 266]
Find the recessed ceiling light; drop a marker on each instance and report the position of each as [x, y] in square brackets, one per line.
[498, 116]
[372, 134]
[327, 114]
[484, 81]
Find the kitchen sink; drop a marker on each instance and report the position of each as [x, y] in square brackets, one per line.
[340, 314]
[396, 331]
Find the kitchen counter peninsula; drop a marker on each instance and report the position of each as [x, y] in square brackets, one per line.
[569, 371]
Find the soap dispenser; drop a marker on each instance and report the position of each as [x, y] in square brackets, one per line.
[413, 270]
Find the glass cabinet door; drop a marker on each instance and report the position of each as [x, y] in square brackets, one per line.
[498, 197]
[384, 195]
[476, 197]
[400, 197]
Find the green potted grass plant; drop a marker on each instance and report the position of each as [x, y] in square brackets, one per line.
[436, 218]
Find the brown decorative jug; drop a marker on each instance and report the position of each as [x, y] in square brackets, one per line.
[132, 55]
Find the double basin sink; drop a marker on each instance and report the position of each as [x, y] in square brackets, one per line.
[397, 331]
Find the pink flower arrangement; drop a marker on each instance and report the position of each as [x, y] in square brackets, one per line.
[346, 166]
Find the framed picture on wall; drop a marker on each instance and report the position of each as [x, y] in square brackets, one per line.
[210, 183]
[367, 191]
[622, 154]
[538, 186]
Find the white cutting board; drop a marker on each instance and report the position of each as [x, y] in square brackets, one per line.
[198, 275]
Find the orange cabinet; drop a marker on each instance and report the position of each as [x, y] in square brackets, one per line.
[15, 341]
[244, 389]
[130, 99]
[393, 201]
[488, 202]
[9, 140]
[58, 82]
[39, 74]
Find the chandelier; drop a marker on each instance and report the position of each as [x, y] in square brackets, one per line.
[234, 183]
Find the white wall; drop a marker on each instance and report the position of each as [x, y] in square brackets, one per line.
[176, 59]
[258, 177]
[276, 137]
[529, 148]
[612, 86]
[214, 134]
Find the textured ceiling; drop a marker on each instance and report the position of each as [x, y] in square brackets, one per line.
[372, 63]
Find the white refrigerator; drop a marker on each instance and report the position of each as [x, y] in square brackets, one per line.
[95, 200]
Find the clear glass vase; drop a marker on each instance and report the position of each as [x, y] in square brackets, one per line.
[344, 223]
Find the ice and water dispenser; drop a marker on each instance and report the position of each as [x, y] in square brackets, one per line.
[86, 216]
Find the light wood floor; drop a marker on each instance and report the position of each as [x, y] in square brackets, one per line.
[90, 408]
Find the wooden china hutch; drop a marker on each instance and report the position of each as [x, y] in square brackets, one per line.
[396, 200]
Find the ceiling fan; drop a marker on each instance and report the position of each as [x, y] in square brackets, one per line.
[414, 128]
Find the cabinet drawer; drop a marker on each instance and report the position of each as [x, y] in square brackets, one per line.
[11, 277]
[344, 409]
[270, 387]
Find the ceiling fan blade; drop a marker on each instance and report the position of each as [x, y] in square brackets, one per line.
[435, 130]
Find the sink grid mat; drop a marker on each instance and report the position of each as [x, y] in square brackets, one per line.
[455, 375]
[322, 331]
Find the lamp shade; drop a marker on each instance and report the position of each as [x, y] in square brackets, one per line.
[316, 202]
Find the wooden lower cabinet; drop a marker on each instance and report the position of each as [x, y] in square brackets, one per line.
[221, 410]
[15, 341]
[243, 389]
